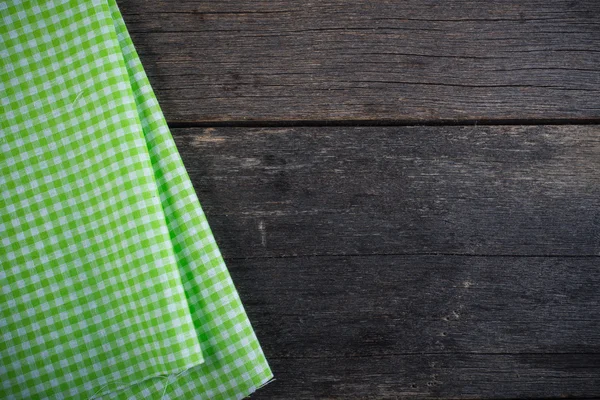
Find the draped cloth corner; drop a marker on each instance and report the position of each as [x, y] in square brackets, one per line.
[111, 283]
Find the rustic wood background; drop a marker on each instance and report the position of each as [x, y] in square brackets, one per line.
[407, 193]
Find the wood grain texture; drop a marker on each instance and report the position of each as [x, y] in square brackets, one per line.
[273, 192]
[411, 262]
[360, 306]
[416, 60]
[438, 376]
[425, 326]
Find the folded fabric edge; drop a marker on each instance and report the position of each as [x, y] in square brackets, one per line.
[159, 138]
[117, 386]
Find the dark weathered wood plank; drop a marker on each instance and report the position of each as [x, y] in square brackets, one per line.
[384, 305]
[436, 376]
[425, 326]
[383, 325]
[370, 60]
[398, 190]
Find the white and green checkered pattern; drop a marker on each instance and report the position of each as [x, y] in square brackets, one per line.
[111, 282]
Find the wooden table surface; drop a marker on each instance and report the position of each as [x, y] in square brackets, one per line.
[407, 193]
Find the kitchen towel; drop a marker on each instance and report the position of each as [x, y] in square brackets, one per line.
[112, 285]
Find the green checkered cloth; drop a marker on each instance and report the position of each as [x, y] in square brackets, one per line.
[111, 283]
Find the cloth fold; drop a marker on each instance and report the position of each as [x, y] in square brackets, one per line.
[112, 285]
